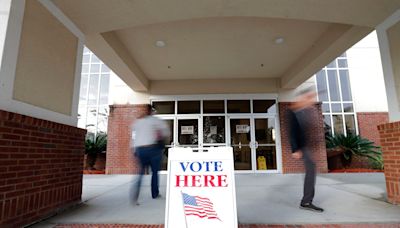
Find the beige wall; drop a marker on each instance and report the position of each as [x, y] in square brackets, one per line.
[46, 61]
[393, 34]
[214, 86]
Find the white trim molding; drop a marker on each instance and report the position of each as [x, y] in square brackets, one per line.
[77, 81]
[53, 9]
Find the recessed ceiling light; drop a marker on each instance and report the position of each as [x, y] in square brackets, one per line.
[160, 43]
[279, 40]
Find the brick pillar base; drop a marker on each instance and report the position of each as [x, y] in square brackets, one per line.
[291, 165]
[390, 141]
[41, 166]
[119, 158]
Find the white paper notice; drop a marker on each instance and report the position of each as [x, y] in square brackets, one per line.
[242, 128]
[213, 130]
[187, 130]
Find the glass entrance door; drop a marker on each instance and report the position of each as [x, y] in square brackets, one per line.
[265, 143]
[169, 143]
[240, 140]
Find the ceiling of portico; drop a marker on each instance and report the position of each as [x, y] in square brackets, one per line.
[222, 39]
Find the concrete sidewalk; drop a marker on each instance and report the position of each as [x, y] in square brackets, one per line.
[261, 199]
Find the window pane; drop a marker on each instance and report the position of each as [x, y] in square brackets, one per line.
[86, 50]
[350, 124]
[325, 107]
[213, 107]
[332, 64]
[91, 120]
[322, 86]
[240, 131]
[348, 107]
[188, 132]
[82, 116]
[327, 125]
[342, 63]
[95, 59]
[242, 158]
[164, 107]
[104, 86]
[265, 131]
[338, 124]
[188, 107]
[83, 89]
[93, 89]
[264, 106]
[94, 68]
[104, 69]
[86, 58]
[345, 83]
[333, 85]
[266, 158]
[214, 129]
[238, 106]
[102, 121]
[336, 107]
[85, 68]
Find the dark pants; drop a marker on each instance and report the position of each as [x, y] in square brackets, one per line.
[148, 156]
[309, 180]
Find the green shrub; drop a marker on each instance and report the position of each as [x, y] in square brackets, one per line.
[93, 146]
[354, 145]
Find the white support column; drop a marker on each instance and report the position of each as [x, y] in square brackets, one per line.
[387, 65]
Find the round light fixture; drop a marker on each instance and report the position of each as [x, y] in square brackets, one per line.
[160, 43]
[279, 40]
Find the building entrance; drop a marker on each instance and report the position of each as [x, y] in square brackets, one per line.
[250, 126]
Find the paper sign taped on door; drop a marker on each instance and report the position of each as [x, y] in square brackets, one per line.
[187, 130]
[242, 128]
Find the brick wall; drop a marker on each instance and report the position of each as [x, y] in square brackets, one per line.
[291, 165]
[368, 124]
[40, 168]
[119, 158]
[390, 141]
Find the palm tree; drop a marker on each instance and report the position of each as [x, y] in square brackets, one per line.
[353, 145]
[94, 146]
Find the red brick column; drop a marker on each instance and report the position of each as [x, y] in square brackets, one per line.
[291, 165]
[119, 158]
[390, 141]
[368, 124]
[41, 166]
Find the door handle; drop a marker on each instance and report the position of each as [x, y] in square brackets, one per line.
[240, 145]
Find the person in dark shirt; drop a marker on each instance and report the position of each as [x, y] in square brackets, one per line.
[302, 120]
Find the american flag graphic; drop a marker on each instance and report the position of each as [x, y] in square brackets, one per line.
[199, 206]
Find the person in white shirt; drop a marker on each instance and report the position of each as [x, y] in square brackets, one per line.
[148, 137]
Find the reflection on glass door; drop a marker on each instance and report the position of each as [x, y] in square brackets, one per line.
[169, 143]
[264, 129]
[241, 142]
[188, 132]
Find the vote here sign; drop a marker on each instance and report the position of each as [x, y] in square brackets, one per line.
[201, 189]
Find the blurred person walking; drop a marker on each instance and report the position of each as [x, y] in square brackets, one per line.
[301, 123]
[148, 139]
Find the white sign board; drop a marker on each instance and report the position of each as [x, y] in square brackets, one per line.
[242, 128]
[201, 189]
[187, 130]
[213, 130]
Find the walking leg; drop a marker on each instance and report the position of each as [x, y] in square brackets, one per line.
[309, 180]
